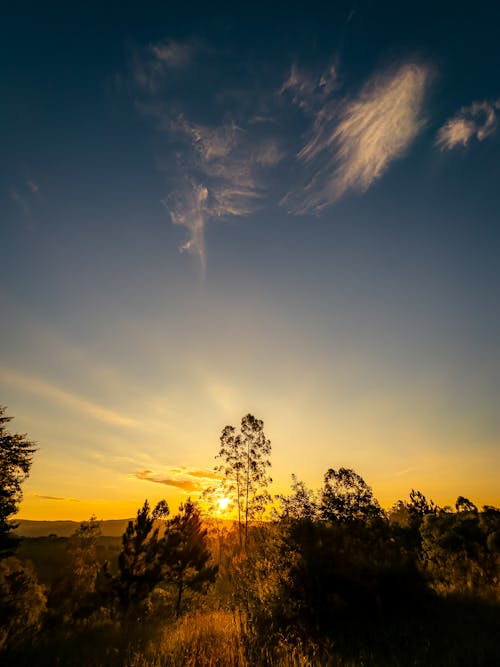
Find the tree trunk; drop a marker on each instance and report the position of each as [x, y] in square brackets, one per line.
[247, 491]
[238, 495]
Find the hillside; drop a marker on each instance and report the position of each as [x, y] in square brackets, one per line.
[29, 528]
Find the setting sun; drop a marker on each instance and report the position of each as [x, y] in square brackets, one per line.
[223, 503]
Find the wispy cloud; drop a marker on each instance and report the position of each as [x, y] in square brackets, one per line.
[307, 90]
[353, 142]
[219, 172]
[406, 471]
[151, 66]
[477, 121]
[187, 479]
[73, 500]
[49, 391]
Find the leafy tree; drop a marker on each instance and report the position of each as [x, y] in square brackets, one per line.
[347, 497]
[16, 453]
[465, 505]
[302, 503]
[22, 602]
[140, 569]
[419, 507]
[245, 470]
[455, 552]
[185, 552]
[82, 549]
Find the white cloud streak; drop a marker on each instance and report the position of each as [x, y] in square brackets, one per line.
[477, 121]
[221, 171]
[51, 392]
[353, 142]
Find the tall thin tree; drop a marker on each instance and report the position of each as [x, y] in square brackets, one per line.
[245, 455]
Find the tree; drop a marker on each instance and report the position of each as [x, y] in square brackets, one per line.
[347, 497]
[245, 470]
[82, 549]
[139, 563]
[465, 505]
[22, 602]
[302, 504]
[16, 454]
[185, 552]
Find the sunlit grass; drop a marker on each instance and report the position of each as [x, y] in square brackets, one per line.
[197, 640]
[219, 639]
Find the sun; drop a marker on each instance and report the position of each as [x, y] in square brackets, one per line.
[223, 503]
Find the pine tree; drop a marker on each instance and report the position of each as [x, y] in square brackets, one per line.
[16, 455]
[185, 552]
[139, 561]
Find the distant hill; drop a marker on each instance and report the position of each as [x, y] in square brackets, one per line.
[28, 528]
[110, 528]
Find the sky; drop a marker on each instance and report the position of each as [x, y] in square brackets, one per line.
[283, 209]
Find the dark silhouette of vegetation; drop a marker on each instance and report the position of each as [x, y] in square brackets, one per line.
[22, 602]
[244, 470]
[346, 498]
[186, 553]
[16, 455]
[140, 566]
[331, 579]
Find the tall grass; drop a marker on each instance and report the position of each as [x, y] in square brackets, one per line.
[218, 638]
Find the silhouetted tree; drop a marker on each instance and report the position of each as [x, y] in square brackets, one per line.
[185, 552]
[465, 505]
[347, 497]
[419, 507]
[16, 455]
[140, 568]
[302, 503]
[82, 550]
[245, 470]
[22, 602]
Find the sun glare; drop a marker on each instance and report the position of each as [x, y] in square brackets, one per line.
[223, 503]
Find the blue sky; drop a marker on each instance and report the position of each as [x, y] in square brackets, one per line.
[288, 210]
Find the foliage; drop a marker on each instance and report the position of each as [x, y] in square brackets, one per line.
[302, 503]
[245, 470]
[82, 551]
[22, 602]
[16, 454]
[347, 497]
[185, 552]
[458, 552]
[140, 569]
[173, 558]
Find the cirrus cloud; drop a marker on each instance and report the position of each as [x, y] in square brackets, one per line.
[352, 142]
[477, 121]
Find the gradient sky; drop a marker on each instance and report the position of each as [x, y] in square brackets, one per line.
[288, 210]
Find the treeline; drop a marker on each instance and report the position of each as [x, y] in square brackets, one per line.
[328, 578]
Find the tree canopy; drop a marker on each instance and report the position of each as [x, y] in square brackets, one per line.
[245, 455]
[16, 456]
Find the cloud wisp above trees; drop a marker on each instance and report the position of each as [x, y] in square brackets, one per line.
[477, 121]
[352, 142]
[190, 480]
[225, 153]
